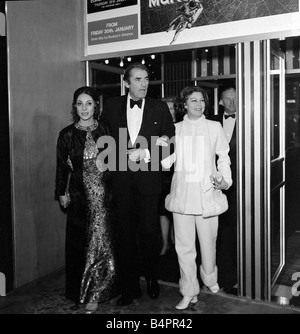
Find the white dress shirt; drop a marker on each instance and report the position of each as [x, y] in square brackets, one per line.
[134, 119]
[134, 122]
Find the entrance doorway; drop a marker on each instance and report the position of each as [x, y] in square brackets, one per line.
[215, 67]
[211, 68]
[284, 289]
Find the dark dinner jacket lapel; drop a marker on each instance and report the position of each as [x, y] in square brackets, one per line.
[145, 118]
[124, 112]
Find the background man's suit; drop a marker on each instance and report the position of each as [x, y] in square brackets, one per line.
[227, 232]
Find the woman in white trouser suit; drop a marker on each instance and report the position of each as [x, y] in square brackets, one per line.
[197, 143]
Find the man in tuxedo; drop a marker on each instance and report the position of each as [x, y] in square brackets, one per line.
[227, 232]
[136, 122]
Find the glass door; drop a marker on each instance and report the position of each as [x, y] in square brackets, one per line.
[276, 165]
[285, 250]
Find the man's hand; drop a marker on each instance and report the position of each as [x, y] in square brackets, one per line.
[136, 154]
[162, 141]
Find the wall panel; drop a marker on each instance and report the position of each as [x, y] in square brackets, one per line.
[45, 43]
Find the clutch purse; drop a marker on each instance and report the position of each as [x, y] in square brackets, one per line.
[214, 202]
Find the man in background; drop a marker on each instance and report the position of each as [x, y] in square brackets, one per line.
[227, 233]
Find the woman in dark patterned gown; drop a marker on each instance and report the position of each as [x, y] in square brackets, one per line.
[90, 264]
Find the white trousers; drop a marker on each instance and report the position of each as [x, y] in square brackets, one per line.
[185, 228]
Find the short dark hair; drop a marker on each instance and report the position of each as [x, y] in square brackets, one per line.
[188, 91]
[132, 66]
[93, 93]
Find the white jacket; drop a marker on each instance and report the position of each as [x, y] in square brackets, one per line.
[197, 143]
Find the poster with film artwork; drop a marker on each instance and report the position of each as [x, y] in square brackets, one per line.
[174, 16]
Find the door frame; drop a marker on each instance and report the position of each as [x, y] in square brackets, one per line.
[279, 185]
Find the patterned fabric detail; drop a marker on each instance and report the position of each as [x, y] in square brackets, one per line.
[92, 127]
[99, 276]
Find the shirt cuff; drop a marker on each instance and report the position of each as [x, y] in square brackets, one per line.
[168, 162]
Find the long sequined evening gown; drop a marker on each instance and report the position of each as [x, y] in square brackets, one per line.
[90, 265]
[99, 278]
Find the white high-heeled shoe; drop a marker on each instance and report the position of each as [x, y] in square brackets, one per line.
[215, 288]
[185, 302]
[91, 308]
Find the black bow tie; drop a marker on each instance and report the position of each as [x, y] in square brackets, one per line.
[232, 115]
[138, 103]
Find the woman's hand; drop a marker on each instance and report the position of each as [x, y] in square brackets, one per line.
[65, 200]
[218, 181]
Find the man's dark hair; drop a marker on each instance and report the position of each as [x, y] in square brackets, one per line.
[225, 89]
[132, 66]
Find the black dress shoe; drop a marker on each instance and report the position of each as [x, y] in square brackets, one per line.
[75, 307]
[153, 288]
[124, 301]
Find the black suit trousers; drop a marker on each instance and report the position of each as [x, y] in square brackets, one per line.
[137, 235]
[227, 243]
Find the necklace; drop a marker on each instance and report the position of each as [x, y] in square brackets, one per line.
[87, 128]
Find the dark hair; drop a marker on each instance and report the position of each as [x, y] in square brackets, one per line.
[92, 92]
[132, 66]
[187, 92]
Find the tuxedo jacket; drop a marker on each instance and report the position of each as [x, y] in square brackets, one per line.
[232, 151]
[156, 122]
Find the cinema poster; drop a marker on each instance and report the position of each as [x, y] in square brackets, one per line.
[174, 16]
[130, 25]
